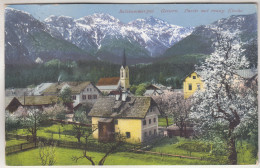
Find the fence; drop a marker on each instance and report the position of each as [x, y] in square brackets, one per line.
[92, 145]
[20, 147]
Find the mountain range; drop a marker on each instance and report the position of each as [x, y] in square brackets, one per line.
[103, 37]
[200, 41]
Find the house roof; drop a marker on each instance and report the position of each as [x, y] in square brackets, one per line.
[246, 73]
[40, 88]
[12, 104]
[108, 81]
[133, 107]
[76, 87]
[38, 100]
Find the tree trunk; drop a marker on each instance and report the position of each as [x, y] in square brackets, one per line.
[232, 153]
[78, 137]
[167, 122]
[181, 131]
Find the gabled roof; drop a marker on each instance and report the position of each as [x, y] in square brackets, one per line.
[38, 90]
[12, 104]
[76, 87]
[108, 81]
[133, 107]
[246, 73]
[38, 100]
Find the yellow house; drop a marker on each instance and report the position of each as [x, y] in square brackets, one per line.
[135, 118]
[191, 84]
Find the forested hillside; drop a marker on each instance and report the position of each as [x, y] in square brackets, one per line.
[24, 75]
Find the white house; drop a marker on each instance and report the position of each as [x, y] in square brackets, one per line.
[82, 92]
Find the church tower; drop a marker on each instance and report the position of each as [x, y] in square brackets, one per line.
[124, 74]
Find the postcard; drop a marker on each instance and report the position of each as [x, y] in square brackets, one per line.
[131, 84]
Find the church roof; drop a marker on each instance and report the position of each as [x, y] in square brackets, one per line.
[108, 81]
[133, 107]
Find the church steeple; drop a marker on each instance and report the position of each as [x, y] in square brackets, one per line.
[124, 74]
[124, 60]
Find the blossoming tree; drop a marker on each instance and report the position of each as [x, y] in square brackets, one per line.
[225, 103]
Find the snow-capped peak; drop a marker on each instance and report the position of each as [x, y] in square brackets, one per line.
[153, 34]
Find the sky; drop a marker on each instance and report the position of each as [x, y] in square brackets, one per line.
[187, 15]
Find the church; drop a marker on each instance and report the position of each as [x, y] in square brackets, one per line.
[110, 84]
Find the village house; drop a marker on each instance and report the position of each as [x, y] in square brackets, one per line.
[192, 82]
[136, 118]
[157, 89]
[106, 85]
[82, 92]
[39, 102]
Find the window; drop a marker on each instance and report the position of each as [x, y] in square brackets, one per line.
[74, 97]
[128, 135]
[144, 122]
[122, 74]
[90, 89]
[190, 86]
[198, 86]
[145, 134]
[89, 97]
[194, 77]
[150, 132]
[116, 122]
[154, 132]
[94, 96]
[154, 119]
[84, 97]
[126, 74]
[87, 89]
[150, 121]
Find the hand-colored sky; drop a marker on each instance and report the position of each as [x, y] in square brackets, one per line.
[178, 14]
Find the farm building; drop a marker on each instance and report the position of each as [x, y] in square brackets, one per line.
[82, 92]
[12, 105]
[136, 118]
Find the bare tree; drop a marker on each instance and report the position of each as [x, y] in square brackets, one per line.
[180, 111]
[164, 103]
[112, 147]
[32, 120]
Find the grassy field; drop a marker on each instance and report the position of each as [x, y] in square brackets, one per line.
[162, 121]
[172, 146]
[55, 131]
[168, 145]
[12, 142]
[64, 157]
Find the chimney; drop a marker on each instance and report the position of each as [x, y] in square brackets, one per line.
[117, 96]
[124, 95]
